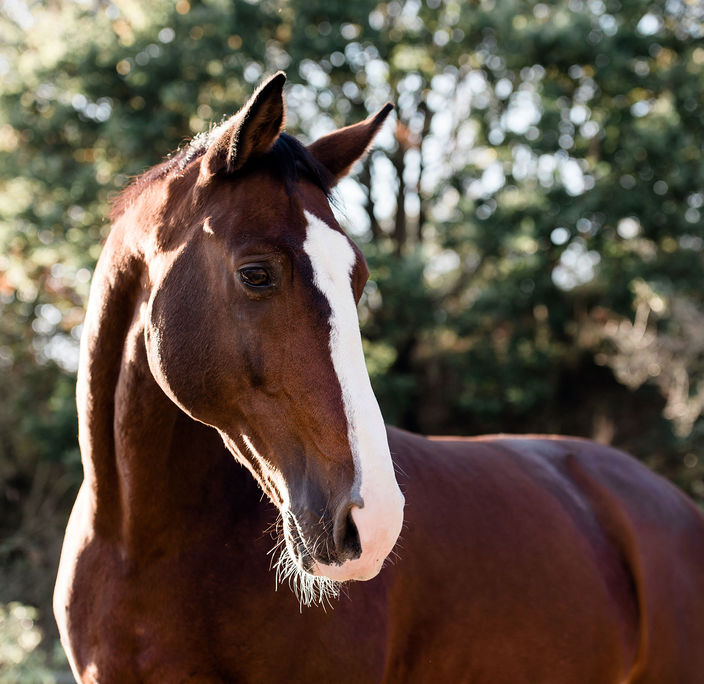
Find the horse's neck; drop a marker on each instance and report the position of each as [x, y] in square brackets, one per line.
[151, 470]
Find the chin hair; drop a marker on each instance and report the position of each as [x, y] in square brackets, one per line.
[310, 590]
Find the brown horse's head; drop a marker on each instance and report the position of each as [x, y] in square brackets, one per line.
[252, 328]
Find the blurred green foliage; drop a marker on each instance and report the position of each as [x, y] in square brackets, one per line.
[533, 226]
[20, 659]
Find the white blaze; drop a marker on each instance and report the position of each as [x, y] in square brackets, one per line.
[379, 520]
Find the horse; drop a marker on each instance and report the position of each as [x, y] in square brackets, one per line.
[231, 441]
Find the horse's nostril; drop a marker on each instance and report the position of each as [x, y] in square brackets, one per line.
[347, 542]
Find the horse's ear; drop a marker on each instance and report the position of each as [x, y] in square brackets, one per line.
[337, 151]
[249, 133]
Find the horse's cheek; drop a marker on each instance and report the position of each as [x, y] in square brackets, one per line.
[184, 355]
[257, 357]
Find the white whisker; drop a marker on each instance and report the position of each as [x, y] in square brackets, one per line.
[310, 590]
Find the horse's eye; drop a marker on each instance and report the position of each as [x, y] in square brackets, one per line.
[255, 276]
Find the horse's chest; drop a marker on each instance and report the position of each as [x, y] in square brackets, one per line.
[221, 621]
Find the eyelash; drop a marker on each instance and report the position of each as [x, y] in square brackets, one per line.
[255, 276]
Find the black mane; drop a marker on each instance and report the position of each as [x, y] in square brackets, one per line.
[288, 159]
[291, 161]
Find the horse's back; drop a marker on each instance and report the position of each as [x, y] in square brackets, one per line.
[549, 559]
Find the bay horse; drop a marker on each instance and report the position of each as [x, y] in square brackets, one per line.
[222, 384]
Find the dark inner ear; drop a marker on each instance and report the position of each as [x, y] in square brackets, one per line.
[251, 132]
[339, 150]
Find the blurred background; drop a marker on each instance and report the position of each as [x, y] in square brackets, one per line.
[533, 220]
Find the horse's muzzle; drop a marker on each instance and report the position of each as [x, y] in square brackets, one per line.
[323, 539]
[367, 535]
